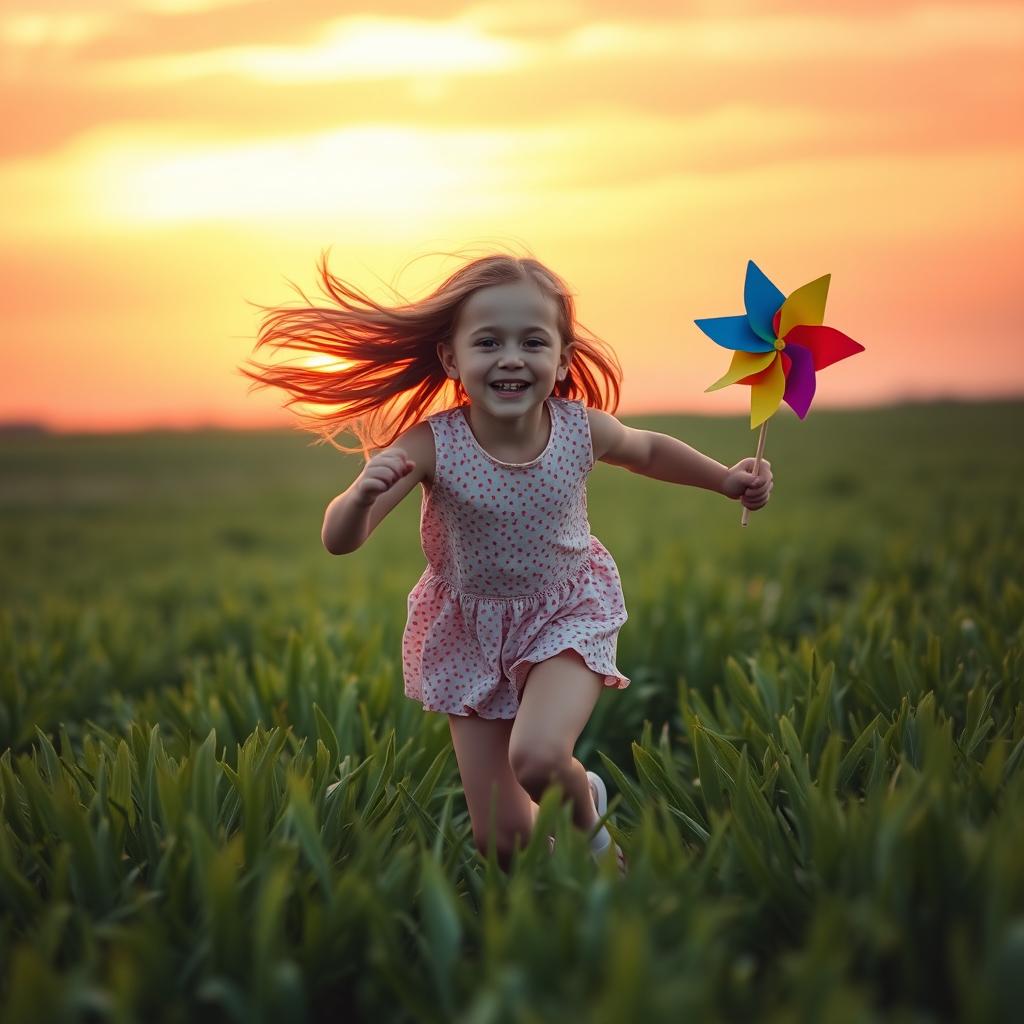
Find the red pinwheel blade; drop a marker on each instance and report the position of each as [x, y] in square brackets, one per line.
[826, 344]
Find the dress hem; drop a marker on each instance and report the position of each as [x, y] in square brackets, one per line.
[612, 680]
[614, 676]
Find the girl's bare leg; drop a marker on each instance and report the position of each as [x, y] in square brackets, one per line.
[558, 698]
[481, 750]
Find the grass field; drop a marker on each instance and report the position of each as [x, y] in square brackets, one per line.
[816, 772]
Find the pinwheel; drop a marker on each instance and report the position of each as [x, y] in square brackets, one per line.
[778, 346]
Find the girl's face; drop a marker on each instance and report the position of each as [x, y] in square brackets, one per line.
[507, 332]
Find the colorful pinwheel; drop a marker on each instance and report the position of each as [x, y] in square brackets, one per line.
[779, 344]
[777, 347]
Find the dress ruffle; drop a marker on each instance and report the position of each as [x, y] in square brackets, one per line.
[465, 653]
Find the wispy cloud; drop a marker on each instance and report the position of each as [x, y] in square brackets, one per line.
[397, 177]
[69, 73]
[799, 36]
[373, 47]
[137, 175]
[362, 47]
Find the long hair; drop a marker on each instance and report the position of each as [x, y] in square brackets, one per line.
[387, 375]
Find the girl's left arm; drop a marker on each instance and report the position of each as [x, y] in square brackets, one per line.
[667, 458]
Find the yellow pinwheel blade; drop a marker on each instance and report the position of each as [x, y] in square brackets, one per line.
[766, 395]
[743, 364]
[805, 306]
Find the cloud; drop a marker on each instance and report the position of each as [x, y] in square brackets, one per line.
[401, 177]
[68, 71]
[365, 46]
[221, 38]
[788, 38]
[561, 104]
[353, 47]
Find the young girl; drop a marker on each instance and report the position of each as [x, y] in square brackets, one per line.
[512, 626]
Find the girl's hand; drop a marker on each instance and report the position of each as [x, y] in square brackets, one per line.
[753, 491]
[380, 474]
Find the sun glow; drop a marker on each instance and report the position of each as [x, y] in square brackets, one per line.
[170, 163]
[357, 177]
[329, 364]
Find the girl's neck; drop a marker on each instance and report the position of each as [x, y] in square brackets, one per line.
[515, 439]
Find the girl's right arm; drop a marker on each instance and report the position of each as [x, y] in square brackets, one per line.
[385, 480]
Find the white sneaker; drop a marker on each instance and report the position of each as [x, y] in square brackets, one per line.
[598, 851]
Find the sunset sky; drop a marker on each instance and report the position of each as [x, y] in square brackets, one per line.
[163, 162]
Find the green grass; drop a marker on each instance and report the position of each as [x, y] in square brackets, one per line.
[816, 772]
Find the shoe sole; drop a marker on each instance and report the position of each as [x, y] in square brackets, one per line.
[601, 803]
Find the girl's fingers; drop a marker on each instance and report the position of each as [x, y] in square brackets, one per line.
[756, 498]
[385, 475]
[396, 457]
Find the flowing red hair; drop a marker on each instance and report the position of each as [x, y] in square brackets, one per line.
[390, 375]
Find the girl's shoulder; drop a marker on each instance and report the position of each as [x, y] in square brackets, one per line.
[567, 402]
[574, 407]
[592, 423]
[602, 426]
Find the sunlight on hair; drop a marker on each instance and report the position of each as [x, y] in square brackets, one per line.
[327, 365]
[324, 362]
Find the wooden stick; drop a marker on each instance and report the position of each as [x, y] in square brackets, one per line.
[757, 466]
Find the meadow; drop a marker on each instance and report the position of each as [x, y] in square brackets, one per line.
[816, 772]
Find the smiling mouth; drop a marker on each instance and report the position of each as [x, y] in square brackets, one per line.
[510, 387]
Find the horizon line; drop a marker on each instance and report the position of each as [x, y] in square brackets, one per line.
[16, 426]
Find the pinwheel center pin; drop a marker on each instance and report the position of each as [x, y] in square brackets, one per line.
[779, 344]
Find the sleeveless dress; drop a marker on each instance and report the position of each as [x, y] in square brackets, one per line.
[513, 574]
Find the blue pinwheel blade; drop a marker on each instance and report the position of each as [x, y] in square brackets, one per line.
[733, 332]
[761, 299]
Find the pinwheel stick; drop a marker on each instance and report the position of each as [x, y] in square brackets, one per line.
[757, 466]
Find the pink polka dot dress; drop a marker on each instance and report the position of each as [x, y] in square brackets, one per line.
[513, 574]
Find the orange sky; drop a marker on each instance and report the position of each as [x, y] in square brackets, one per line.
[164, 161]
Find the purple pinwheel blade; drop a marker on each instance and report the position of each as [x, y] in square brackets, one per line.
[800, 382]
[733, 332]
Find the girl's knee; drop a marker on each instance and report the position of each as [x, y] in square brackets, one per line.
[535, 770]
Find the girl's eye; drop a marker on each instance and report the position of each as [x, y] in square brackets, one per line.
[539, 341]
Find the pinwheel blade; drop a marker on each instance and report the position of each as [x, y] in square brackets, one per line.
[766, 396]
[743, 364]
[733, 332]
[805, 306]
[826, 344]
[800, 381]
[761, 299]
[756, 378]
